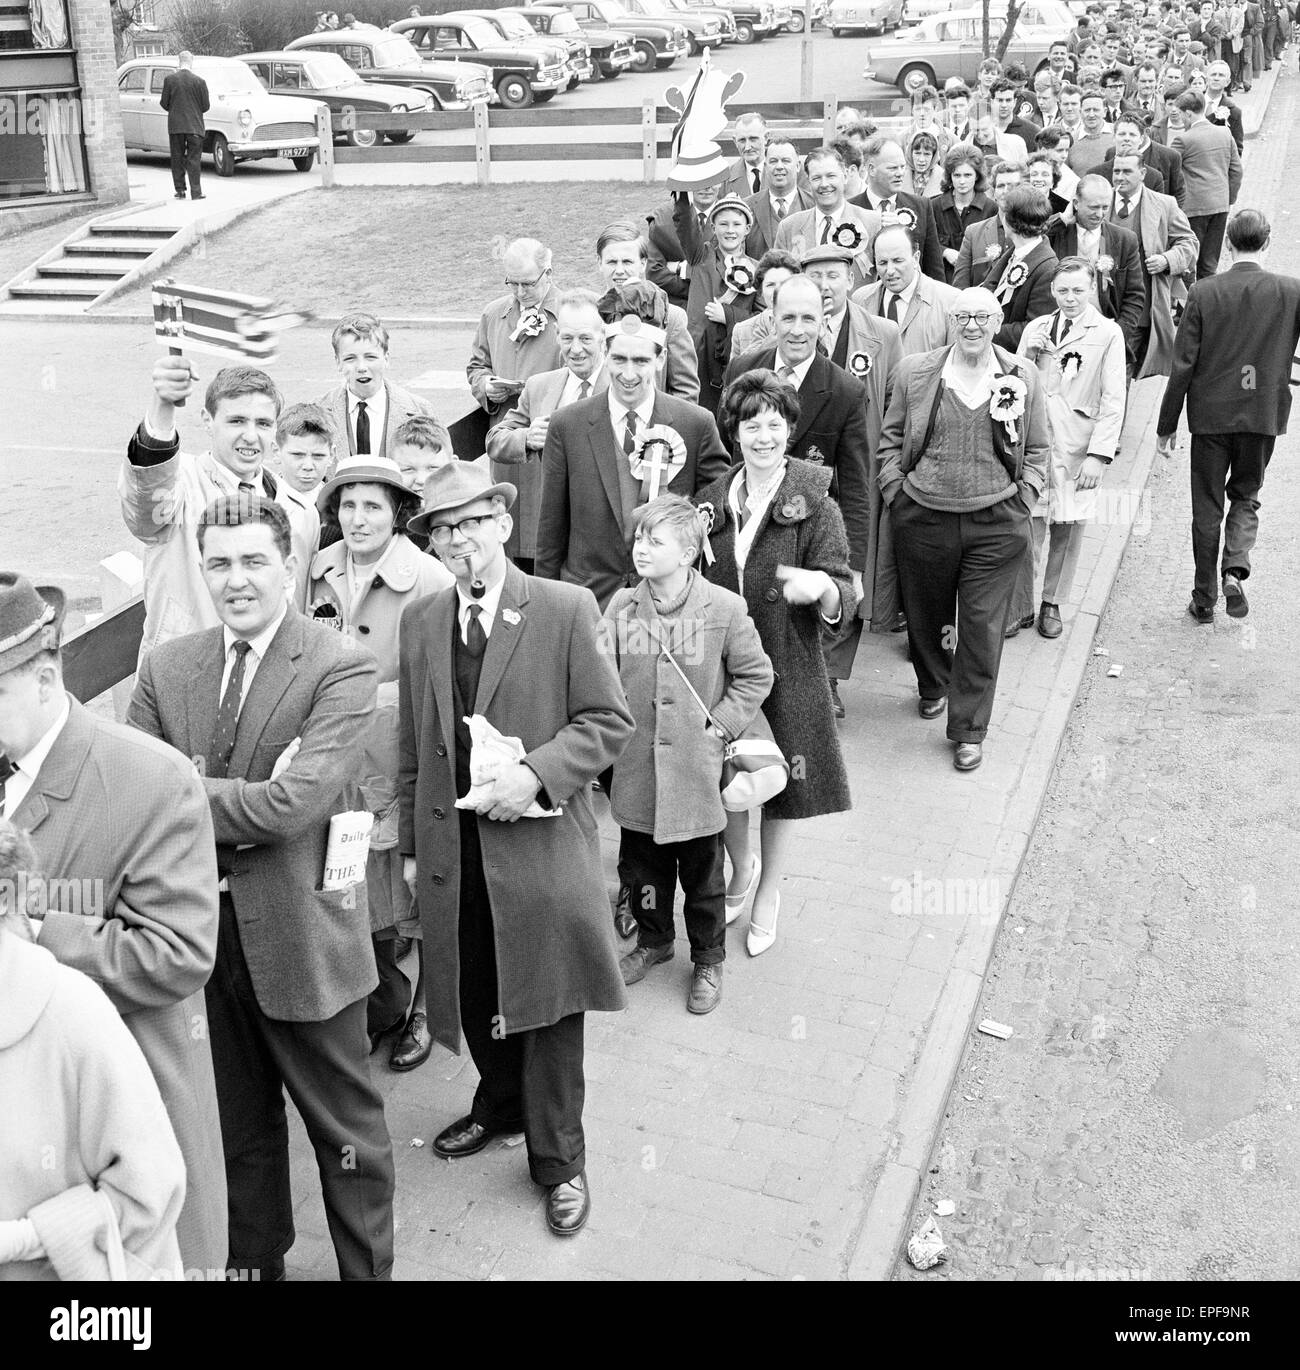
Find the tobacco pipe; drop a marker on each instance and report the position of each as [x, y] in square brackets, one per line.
[476, 587]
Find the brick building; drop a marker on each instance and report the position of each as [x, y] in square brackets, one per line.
[60, 127]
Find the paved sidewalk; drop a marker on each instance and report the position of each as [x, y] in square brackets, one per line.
[1141, 1123]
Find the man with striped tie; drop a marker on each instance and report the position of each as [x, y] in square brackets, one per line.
[833, 221]
[782, 197]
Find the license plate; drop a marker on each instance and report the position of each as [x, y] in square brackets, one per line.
[296, 151]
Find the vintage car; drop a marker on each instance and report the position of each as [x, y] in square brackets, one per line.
[703, 26]
[611, 52]
[242, 124]
[522, 75]
[864, 16]
[806, 14]
[326, 77]
[655, 42]
[389, 59]
[514, 28]
[952, 45]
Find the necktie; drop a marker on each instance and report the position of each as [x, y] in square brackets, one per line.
[629, 433]
[1123, 206]
[7, 768]
[475, 637]
[223, 739]
[247, 489]
[1058, 329]
[785, 373]
[584, 390]
[891, 313]
[828, 337]
[757, 179]
[826, 228]
[780, 210]
[887, 205]
[363, 428]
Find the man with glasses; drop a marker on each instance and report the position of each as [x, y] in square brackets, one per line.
[516, 339]
[963, 460]
[513, 905]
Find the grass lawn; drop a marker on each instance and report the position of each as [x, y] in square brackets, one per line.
[396, 250]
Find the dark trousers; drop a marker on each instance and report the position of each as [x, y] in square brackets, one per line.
[1209, 230]
[530, 1082]
[654, 868]
[324, 1067]
[1230, 465]
[391, 998]
[841, 653]
[957, 574]
[186, 152]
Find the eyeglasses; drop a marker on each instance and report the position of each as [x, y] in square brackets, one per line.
[525, 285]
[441, 534]
[961, 318]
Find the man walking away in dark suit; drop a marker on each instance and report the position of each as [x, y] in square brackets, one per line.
[185, 98]
[271, 706]
[519, 947]
[1232, 362]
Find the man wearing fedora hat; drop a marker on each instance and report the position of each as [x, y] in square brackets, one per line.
[593, 475]
[273, 708]
[124, 839]
[517, 935]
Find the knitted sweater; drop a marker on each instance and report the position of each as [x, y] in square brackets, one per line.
[959, 469]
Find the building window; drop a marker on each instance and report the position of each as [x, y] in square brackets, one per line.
[31, 24]
[45, 154]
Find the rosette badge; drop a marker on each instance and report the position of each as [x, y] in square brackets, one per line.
[657, 458]
[1071, 363]
[902, 215]
[740, 277]
[860, 365]
[532, 323]
[1008, 402]
[847, 236]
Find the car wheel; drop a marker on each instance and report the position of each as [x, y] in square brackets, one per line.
[515, 92]
[744, 31]
[305, 163]
[913, 76]
[608, 73]
[361, 137]
[837, 33]
[574, 83]
[222, 161]
[404, 136]
[797, 22]
[646, 56]
[693, 46]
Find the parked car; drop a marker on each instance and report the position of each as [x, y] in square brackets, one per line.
[389, 59]
[655, 42]
[522, 75]
[326, 77]
[244, 122]
[514, 28]
[610, 52]
[806, 14]
[722, 12]
[952, 45]
[753, 19]
[703, 27]
[864, 16]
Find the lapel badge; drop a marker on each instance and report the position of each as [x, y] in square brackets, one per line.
[813, 453]
[510, 616]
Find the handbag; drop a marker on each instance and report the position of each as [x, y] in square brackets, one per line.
[754, 768]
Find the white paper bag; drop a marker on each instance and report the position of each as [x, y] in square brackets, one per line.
[490, 753]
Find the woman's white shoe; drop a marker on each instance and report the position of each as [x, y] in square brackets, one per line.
[735, 903]
[758, 940]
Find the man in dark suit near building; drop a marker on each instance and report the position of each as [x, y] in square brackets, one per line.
[885, 168]
[1232, 364]
[592, 478]
[185, 98]
[516, 924]
[271, 706]
[1120, 289]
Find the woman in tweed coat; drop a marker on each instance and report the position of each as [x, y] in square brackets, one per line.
[778, 539]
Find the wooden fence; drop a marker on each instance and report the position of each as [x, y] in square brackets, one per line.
[627, 133]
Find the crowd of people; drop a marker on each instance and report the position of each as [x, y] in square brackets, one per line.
[875, 386]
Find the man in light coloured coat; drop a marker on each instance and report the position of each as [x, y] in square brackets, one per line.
[907, 297]
[123, 836]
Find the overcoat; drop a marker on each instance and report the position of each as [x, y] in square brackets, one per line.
[1163, 227]
[802, 526]
[118, 814]
[549, 680]
[666, 782]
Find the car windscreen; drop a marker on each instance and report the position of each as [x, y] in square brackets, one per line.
[234, 78]
[395, 51]
[564, 23]
[329, 69]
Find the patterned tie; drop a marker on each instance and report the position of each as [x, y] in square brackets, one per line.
[363, 428]
[475, 637]
[891, 313]
[629, 433]
[1123, 206]
[7, 768]
[584, 390]
[223, 739]
[758, 179]
[785, 373]
[780, 209]
[887, 205]
[826, 228]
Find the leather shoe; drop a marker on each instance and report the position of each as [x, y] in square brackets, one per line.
[465, 1137]
[931, 708]
[624, 918]
[634, 965]
[1049, 620]
[568, 1206]
[1014, 628]
[412, 1048]
[1236, 607]
[968, 755]
[706, 989]
[1200, 613]
[837, 707]
[180, 195]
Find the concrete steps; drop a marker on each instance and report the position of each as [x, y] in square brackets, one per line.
[84, 267]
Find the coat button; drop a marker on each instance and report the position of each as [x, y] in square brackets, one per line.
[361, 628]
[772, 595]
[437, 880]
[439, 813]
[440, 750]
